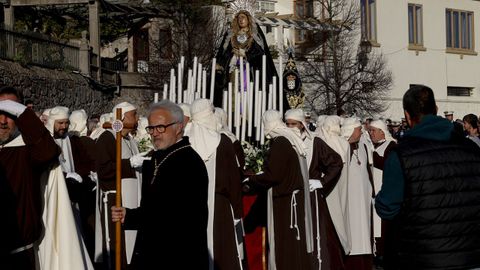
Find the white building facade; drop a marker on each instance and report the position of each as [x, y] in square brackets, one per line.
[431, 43]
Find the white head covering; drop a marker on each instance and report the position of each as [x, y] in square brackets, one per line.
[78, 122]
[56, 113]
[221, 116]
[381, 125]
[125, 106]
[331, 135]
[46, 112]
[320, 120]
[106, 117]
[141, 131]
[349, 124]
[186, 109]
[274, 127]
[298, 115]
[204, 136]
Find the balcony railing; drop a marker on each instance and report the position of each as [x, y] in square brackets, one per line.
[36, 49]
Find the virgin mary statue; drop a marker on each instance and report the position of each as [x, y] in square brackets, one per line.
[244, 39]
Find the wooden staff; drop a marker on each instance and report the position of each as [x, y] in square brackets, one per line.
[118, 197]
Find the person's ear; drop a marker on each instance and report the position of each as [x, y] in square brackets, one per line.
[179, 128]
[408, 118]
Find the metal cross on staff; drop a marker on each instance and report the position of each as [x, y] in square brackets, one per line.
[117, 126]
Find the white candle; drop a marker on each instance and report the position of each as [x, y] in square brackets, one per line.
[247, 73]
[204, 84]
[250, 109]
[238, 120]
[237, 105]
[258, 100]
[172, 84]
[242, 76]
[155, 97]
[165, 90]
[257, 107]
[264, 73]
[280, 85]
[228, 106]
[244, 114]
[182, 63]
[264, 108]
[270, 97]
[189, 86]
[199, 80]
[258, 115]
[274, 92]
[194, 74]
[179, 88]
[225, 102]
[212, 79]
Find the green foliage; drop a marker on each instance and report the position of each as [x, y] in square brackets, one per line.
[145, 144]
[20, 58]
[254, 156]
[66, 22]
[273, 51]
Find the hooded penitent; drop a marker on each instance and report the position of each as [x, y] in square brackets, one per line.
[125, 106]
[56, 113]
[78, 122]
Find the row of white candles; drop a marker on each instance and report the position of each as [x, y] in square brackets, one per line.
[248, 116]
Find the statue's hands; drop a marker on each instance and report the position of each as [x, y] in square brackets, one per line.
[239, 52]
[218, 67]
[235, 51]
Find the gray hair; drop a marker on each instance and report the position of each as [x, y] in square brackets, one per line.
[175, 111]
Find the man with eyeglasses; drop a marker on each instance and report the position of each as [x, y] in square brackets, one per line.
[174, 195]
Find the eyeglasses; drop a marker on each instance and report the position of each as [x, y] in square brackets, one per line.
[158, 128]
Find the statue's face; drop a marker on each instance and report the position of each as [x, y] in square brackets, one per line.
[242, 20]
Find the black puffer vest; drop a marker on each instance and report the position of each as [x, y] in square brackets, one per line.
[439, 224]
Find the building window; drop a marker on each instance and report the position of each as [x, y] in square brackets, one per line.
[265, 6]
[415, 25]
[303, 9]
[268, 29]
[369, 19]
[165, 43]
[459, 29]
[459, 91]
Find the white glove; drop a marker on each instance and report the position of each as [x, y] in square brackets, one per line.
[315, 184]
[137, 160]
[75, 176]
[12, 107]
[93, 176]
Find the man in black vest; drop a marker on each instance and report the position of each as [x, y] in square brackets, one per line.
[431, 192]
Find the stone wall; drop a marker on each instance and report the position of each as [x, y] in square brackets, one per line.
[140, 97]
[48, 88]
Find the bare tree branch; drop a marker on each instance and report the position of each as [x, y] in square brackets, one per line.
[342, 81]
[193, 30]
